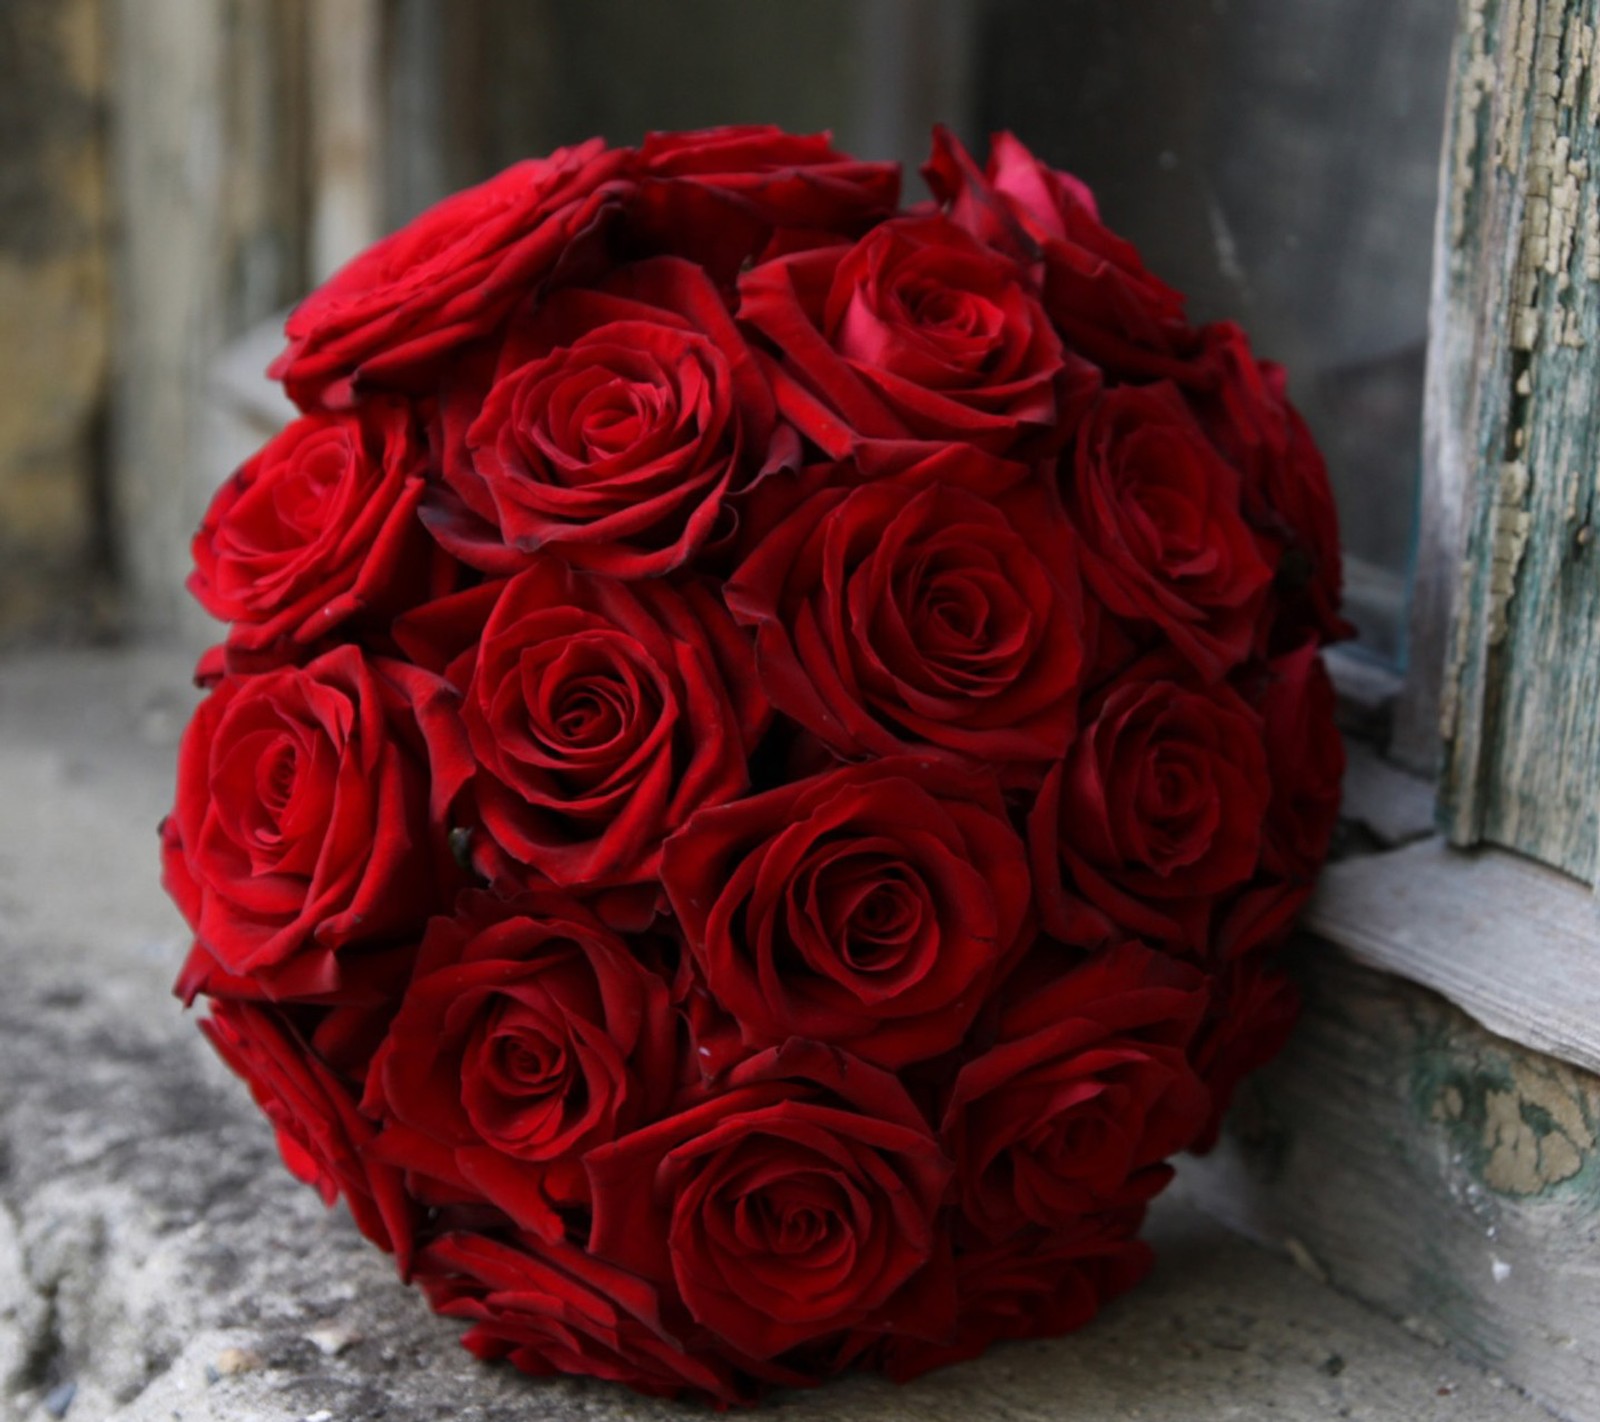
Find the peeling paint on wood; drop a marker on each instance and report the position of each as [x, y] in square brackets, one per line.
[1514, 432]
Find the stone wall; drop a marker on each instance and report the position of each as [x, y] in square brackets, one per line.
[54, 312]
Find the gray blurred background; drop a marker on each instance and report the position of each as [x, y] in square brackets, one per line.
[174, 173]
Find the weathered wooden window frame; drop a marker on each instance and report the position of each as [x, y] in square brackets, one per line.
[1505, 618]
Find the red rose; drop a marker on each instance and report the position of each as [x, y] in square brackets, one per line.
[723, 196]
[893, 615]
[1084, 1094]
[1097, 290]
[1245, 406]
[1037, 1284]
[613, 428]
[1164, 543]
[301, 824]
[554, 1309]
[322, 1137]
[392, 316]
[918, 332]
[528, 1035]
[800, 1200]
[1155, 812]
[1305, 754]
[317, 528]
[869, 907]
[600, 716]
[1253, 1008]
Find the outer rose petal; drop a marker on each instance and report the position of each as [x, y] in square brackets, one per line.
[555, 1308]
[394, 314]
[323, 1138]
[726, 196]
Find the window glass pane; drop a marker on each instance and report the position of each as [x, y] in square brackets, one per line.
[1277, 160]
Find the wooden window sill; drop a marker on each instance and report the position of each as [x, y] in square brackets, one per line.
[1512, 943]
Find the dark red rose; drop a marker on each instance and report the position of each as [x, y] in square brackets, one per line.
[1037, 1284]
[613, 428]
[1306, 756]
[322, 1136]
[1155, 812]
[1164, 543]
[918, 332]
[800, 1200]
[529, 1034]
[869, 907]
[302, 825]
[1254, 1007]
[723, 196]
[896, 614]
[555, 1308]
[1096, 289]
[393, 316]
[1084, 1094]
[1244, 404]
[314, 530]
[600, 716]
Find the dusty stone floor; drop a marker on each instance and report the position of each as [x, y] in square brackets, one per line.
[158, 1265]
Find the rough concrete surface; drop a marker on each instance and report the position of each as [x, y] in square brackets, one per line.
[157, 1264]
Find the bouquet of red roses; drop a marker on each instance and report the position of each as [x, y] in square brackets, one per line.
[764, 748]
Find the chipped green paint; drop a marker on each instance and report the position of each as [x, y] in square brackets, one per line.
[1522, 1125]
[1515, 405]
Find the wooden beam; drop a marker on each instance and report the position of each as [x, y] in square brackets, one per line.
[1514, 433]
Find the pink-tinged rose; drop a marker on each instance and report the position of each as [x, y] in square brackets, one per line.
[317, 529]
[1106, 304]
[529, 1034]
[600, 715]
[302, 822]
[394, 316]
[1155, 813]
[899, 614]
[918, 332]
[870, 907]
[323, 1138]
[613, 428]
[1164, 544]
[554, 1309]
[801, 1200]
[1085, 1092]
